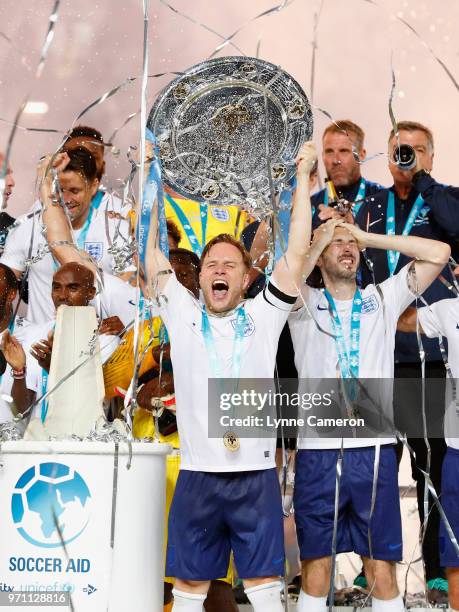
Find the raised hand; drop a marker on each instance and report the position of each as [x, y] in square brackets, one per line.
[306, 158]
[13, 351]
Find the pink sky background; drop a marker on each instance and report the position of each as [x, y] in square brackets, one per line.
[98, 44]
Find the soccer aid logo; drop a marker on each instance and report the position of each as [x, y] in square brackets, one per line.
[50, 498]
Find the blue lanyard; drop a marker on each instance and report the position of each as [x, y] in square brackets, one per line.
[393, 256]
[358, 198]
[190, 233]
[349, 360]
[241, 321]
[152, 188]
[44, 387]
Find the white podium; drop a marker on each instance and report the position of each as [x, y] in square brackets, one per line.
[74, 518]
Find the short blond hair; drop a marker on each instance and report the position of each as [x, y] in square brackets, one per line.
[348, 127]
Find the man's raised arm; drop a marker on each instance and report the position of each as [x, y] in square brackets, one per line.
[58, 232]
[431, 256]
[157, 264]
[288, 271]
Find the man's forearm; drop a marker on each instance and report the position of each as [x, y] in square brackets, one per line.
[58, 234]
[422, 249]
[312, 258]
[22, 396]
[299, 235]
[155, 259]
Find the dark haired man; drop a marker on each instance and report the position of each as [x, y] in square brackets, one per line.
[353, 332]
[238, 505]
[93, 232]
[91, 139]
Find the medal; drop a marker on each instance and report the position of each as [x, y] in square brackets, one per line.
[231, 441]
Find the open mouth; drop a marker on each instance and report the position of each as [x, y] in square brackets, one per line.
[347, 261]
[220, 289]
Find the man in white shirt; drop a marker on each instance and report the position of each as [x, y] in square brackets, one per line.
[30, 357]
[227, 496]
[353, 334]
[94, 232]
[91, 138]
[441, 319]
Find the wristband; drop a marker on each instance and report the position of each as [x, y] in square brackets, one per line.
[18, 374]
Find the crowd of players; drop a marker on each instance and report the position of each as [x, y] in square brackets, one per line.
[227, 318]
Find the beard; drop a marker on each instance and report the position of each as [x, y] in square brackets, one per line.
[338, 272]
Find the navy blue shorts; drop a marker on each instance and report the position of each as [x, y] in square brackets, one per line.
[213, 514]
[450, 502]
[314, 503]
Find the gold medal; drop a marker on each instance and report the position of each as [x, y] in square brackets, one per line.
[231, 441]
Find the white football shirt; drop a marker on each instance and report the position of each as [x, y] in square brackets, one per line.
[182, 314]
[316, 355]
[442, 318]
[27, 238]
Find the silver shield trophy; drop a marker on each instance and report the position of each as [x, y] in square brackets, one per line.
[228, 131]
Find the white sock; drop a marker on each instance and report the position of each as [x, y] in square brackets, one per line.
[308, 603]
[266, 597]
[388, 605]
[187, 602]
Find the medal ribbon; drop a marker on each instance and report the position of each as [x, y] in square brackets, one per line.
[393, 256]
[349, 360]
[241, 321]
[196, 245]
[44, 386]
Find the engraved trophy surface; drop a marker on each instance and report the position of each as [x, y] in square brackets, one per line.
[221, 123]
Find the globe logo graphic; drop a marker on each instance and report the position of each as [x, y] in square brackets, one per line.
[50, 505]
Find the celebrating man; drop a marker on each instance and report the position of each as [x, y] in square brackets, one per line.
[227, 496]
[353, 331]
[416, 205]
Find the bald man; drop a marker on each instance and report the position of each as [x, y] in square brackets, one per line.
[73, 285]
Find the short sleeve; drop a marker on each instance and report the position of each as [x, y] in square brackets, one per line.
[118, 299]
[17, 245]
[397, 293]
[175, 302]
[432, 319]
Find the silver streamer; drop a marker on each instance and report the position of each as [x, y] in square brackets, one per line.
[339, 473]
[10, 431]
[41, 64]
[424, 43]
